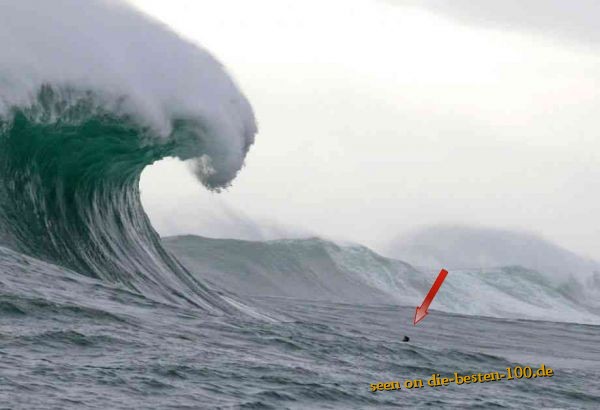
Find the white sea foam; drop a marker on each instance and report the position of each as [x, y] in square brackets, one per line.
[122, 55]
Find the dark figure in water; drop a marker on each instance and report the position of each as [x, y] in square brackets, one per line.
[406, 339]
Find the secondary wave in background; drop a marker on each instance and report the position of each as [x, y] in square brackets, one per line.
[316, 269]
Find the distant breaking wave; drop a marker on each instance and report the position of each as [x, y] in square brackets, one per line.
[316, 269]
[79, 121]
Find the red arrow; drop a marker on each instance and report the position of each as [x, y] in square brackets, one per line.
[421, 311]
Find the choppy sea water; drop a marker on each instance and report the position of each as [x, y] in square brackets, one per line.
[71, 342]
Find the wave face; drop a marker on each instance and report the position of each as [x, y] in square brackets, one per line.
[311, 269]
[80, 122]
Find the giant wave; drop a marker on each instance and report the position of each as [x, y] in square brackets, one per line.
[81, 120]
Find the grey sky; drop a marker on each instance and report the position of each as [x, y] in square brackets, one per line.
[376, 117]
[575, 21]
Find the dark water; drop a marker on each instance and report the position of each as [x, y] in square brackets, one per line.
[69, 341]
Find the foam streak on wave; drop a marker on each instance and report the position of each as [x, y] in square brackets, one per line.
[78, 124]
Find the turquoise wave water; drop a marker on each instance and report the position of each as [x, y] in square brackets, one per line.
[69, 175]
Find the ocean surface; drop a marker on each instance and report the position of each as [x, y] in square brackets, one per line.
[72, 342]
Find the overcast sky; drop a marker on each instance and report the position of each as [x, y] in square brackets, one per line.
[376, 116]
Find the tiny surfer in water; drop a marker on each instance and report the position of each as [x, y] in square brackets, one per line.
[406, 339]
